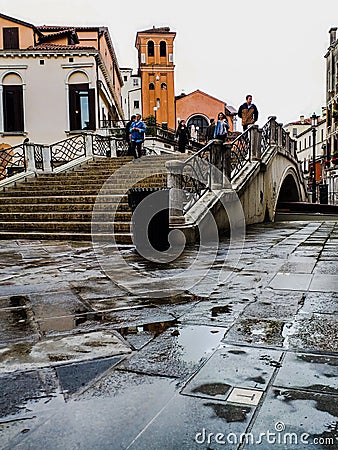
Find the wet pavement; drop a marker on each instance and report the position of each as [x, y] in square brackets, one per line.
[250, 362]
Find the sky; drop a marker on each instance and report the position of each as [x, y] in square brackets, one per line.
[273, 50]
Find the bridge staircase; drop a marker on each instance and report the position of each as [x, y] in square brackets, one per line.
[60, 206]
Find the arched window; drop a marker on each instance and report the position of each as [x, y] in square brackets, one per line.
[13, 103]
[151, 47]
[164, 86]
[151, 87]
[163, 48]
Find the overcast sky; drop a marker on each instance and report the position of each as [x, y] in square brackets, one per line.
[271, 49]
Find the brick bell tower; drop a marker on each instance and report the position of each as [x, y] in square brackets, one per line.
[156, 68]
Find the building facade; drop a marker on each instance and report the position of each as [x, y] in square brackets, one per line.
[197, 108]
[302, 131]
[131, 93]
[56, 81]
[331, 57]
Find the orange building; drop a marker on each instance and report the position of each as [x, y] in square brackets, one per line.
[197, 108]
[156, 68]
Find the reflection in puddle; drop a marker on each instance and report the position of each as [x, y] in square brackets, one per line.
[155, 328]
[230, 413]
[217, 310]
[68, 323]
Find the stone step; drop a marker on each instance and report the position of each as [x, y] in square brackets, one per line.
[60, 207]
[53, 226]
[63, 199]
[78, 216]
[71, 192]
[120, 238]
[120, 182]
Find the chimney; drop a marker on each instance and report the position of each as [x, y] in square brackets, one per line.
[302, 119]
[332, 35]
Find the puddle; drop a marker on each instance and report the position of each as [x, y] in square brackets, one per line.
[18, 300]
[139, 335]
[229, 413]
[212, 389]
[268, 332]
[79, 347]
[218, 310]
[177, 351]
[155, 328]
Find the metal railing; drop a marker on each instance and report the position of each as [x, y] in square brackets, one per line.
[67, 150]
[12, 161]
[266, 136]
[196, 176]
[101, 145]
[240, 152]
[38, 156]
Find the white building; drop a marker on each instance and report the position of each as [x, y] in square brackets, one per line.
[56, 81]
[131, 93]
[301, 131]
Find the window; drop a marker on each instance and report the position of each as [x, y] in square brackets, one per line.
[294, 132]
[13, 108]
[164, 86]
[11, 38]
[81, 107]
[151, 48]
[151, 87]
[42, 62]
[135, 82]
[125, 78]
[309, 141]
[163, 48]
[136, 104]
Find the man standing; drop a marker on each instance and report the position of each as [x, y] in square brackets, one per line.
[209, 133]
[137, 133]
[127, 130]
[248, 112]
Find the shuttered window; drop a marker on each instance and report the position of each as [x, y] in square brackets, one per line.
[11, 38]
[13, 108]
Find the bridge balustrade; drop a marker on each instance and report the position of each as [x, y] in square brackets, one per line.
[218, 163]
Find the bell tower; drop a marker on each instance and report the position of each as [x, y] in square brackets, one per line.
[156, 68]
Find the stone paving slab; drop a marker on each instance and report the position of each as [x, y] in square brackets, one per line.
[291, 281]
[233, 366]
[309, 372]
[298, 415]
[325, 303]
[264, 332]
[193, 423]
[329, 283]
[313, 332]
[79, 347]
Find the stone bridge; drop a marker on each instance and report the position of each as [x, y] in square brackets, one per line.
[260, 169]
[58, 191]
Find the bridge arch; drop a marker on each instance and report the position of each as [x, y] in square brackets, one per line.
[289, 188]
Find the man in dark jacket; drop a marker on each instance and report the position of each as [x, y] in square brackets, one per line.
[128, 140]
[248, 112]
[209, 133]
